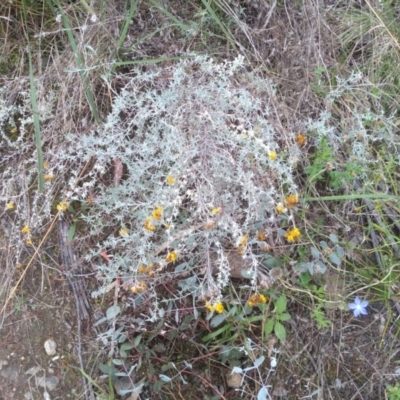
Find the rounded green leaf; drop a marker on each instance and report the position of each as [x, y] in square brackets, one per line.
[280, 331]
[269, 326]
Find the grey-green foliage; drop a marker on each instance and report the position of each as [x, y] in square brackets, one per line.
[208, 125]
[318, 264]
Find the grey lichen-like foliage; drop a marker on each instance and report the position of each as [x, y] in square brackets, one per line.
[196, 140]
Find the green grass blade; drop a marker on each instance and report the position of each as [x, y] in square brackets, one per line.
[36, 124]
[379, 196]
[169, 15]
[128, 19]
[79, 63]
[214, 16]
[35, 111]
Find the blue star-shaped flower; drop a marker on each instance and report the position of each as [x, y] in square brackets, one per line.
[359, 307]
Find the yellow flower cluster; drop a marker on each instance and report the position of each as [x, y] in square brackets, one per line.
[272, 155]
[148, 225]
[242, 244]
[171, 257]
[10, 206]
[215, 211]
[155, 215]
[48, 177]
[26, 230]
[218, 307]
[170, 180]
[123, 232]
[301, 139]
[291, 201]
[149, 270]
[293, 235]
[261, 235]
[62, 206]
[139, 287]
[256, 299]
[280, 208]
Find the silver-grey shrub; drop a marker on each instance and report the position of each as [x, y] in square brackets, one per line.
[207, 126]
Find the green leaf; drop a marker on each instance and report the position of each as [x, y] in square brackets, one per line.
[71, 232]
[335, 259]
[272, 262]
[315, 253]
[280, 331]
[113, 311]
[247, 273]
[137, 340]
[186, 322]
[116, 361]
[280, 304]
[334, 238]
[165, 378]
[212, 335]
[217, 320]
[269, 326]
[284, 317]
[107, 369]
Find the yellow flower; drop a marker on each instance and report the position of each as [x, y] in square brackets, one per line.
[272, 155]
[261, 235]
[142, 269]
[167, 226]
[62, 206]
[256, 299]
[170, 180]
[28, 241]
[139, 287]
[209, 306]
[157, 213]
[219, 307]
[291, 200]
[301, 139]
[243, 240]
[46, 165]
[123, 232]
[215, 211]
[26, 230]
[280, 208]
[292, 235]
[10, 206]
[171, 257]
[241, 250]
[48, 177]
[148, 225]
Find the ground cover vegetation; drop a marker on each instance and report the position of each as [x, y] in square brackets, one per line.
[228, 172]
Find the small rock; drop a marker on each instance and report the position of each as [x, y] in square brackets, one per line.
[234, 380]
[123, 383]
[50, 346]
[10, 372]
[51, 383]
